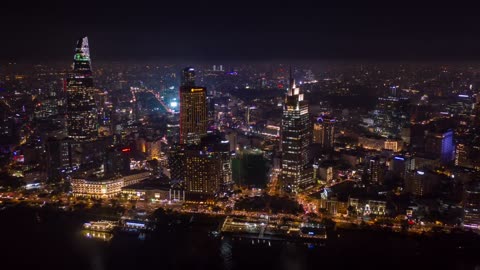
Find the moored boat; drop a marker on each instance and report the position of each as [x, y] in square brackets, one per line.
[100, 226]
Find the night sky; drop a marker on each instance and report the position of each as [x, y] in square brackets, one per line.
[153, 31]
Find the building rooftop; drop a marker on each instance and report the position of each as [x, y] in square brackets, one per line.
[150, 185]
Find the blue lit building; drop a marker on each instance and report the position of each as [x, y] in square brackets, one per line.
[441, 144]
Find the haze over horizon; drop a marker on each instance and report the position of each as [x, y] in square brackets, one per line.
[153, 32]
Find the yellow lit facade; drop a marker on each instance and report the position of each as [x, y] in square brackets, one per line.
[208, 168]
[105, 188]
[193, 114]
[394, 145]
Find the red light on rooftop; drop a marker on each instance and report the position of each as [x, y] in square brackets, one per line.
[126, 150]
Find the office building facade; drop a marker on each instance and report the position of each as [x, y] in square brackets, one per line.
[208, 169]
[296, 137]
[82, 119]
[323, 132]
[193, 109]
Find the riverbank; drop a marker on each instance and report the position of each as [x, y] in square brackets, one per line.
[183, 242]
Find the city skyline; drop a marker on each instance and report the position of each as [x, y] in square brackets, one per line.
[242, 138]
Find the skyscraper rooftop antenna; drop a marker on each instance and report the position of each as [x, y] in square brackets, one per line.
[81, 58]
[82, 46]
[291, 82]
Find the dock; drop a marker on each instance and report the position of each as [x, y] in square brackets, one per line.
[272, 229]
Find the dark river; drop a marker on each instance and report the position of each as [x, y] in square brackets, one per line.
[49, 239]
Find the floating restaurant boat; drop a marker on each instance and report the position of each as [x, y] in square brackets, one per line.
[136, 226]
[100, 226]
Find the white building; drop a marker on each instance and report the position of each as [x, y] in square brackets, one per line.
[105, 188]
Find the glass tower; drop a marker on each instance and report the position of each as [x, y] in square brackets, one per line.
[296, 172]
[81, 107]
[193, 109]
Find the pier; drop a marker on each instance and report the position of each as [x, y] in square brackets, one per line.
[272, 229]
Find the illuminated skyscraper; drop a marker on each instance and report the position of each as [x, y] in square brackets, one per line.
[376, 170]
[323, 132]
[441, 144]
[390, 115]
[193, 109]
[82, 118]
[208, 167]
[296, 172]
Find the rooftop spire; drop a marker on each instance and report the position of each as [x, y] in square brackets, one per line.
[82, 47]
[81, 59]
[291, 83]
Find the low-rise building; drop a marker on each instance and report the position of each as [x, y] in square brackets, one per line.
[154, 191]
[105, 188]
[334, 206]
[367, 207]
